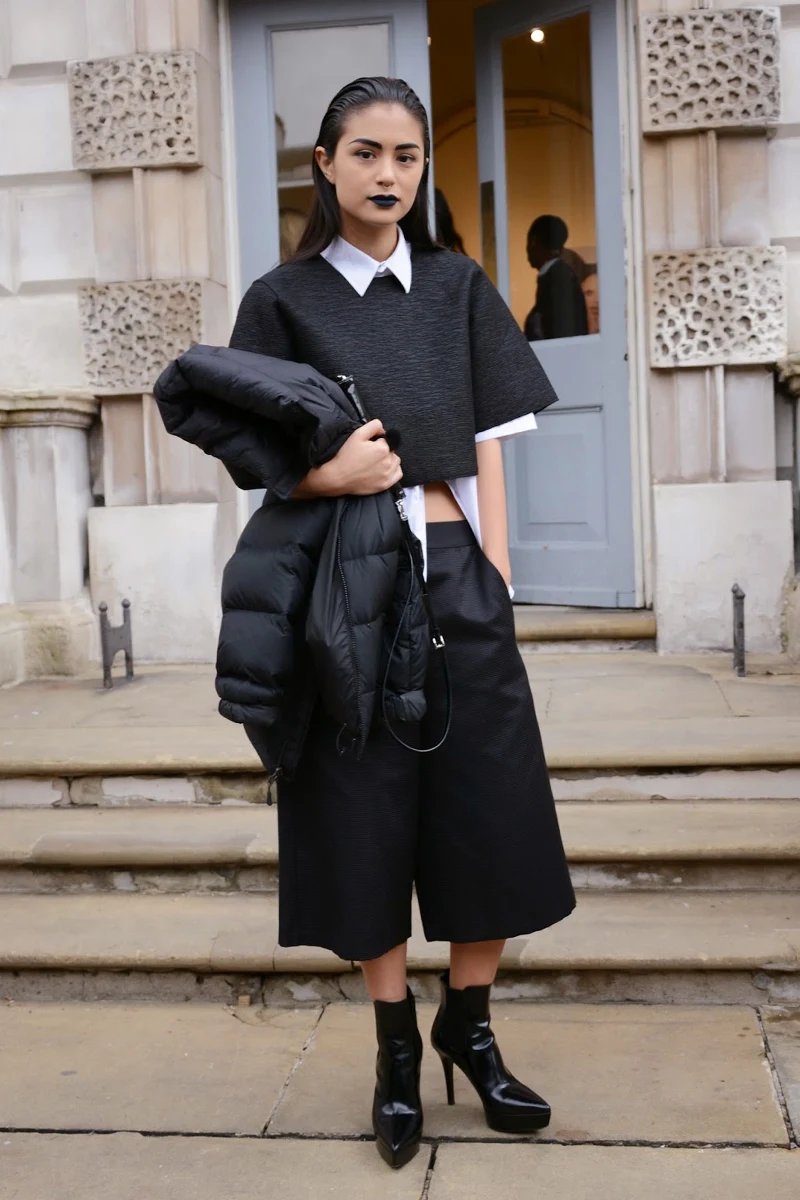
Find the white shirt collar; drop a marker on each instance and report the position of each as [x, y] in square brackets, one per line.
[359, 269]
[545, 267]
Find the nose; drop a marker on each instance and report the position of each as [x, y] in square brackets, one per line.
[386, 174]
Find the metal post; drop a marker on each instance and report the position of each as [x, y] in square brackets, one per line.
[738, 629]
[116, 638]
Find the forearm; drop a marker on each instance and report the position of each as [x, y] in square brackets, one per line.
[320, 481]
[492, 505]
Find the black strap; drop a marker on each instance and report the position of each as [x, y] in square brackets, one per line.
[436, 636]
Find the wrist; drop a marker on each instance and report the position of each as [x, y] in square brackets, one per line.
[324, 480]
[501, 560]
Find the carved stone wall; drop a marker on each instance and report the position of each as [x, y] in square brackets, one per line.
[721, 306]
[140, 110]
[132, 330]
[710, 69]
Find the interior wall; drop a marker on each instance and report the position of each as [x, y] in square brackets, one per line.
[548, 134]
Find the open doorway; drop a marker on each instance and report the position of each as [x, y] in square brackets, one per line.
[547, 87]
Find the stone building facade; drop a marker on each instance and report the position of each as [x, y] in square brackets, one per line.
[119, 246]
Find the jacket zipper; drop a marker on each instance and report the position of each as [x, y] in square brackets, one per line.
[272, 782]
[351, 631]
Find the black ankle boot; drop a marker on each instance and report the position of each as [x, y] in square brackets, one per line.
[397, 1108]
[462, 1035]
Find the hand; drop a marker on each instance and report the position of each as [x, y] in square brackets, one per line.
[502, 562]
[363, 466]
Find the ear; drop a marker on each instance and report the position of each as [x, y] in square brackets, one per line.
[325, 164]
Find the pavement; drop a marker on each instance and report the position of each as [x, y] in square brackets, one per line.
[202, 1101]
[629, 710]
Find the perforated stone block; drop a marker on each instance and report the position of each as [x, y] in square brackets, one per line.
[710, 69]
[719, 306]
[132, 330]
[139, 110]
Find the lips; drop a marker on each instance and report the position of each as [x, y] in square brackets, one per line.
[384, 201]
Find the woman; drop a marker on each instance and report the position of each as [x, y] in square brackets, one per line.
[441, 365]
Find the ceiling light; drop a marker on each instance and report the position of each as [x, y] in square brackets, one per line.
[429, 41]
[537, 35]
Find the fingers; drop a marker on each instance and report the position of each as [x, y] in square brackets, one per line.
[372, 429]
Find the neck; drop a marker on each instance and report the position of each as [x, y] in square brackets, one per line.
[378, 241]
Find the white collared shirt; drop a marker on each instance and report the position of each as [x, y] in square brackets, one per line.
[359, 269]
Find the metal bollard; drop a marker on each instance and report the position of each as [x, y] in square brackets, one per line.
[115, 638]
[738, 630]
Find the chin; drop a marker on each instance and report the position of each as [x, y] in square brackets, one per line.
[383, 216]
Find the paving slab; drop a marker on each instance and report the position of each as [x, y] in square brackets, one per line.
[782, 1027]
[764, 697]
[618, 1073]
[521, 1172]
[161, 1067]
[129, 1166]
[613, 698]
[624, 711]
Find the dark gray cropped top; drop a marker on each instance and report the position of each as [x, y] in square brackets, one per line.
[440, 363]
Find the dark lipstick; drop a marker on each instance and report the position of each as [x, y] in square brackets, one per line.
[384, 201]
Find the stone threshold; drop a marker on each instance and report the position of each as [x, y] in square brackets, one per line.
[535, 623]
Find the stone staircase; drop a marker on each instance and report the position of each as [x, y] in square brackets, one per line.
[138, 858]
[688, 890]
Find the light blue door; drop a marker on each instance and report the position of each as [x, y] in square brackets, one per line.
[551, 147]
[289, 58]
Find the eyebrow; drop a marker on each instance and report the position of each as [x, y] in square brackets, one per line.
[378, 146]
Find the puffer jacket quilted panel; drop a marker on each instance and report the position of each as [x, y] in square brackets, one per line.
[319, 598]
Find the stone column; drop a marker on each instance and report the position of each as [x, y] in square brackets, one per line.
[710, 87]
[46, 627]
[146, 125]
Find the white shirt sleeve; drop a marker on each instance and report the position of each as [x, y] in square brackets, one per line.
[518, 425]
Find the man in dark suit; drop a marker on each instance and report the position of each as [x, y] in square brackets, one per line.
[560, 308]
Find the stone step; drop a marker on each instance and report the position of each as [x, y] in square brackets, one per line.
[542, 627]
[633, 931]
[715, 845]
[621, 831]
[208, 788]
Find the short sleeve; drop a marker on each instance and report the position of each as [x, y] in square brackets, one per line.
[260, 326]
[508, 380]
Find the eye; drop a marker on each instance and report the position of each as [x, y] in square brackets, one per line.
[406, 158]
[364, 154]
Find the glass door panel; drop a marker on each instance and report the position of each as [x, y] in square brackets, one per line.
[552, 237]
[338, 53]
[289, 58]
[550, 177]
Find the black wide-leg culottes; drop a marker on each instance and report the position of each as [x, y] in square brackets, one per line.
[471, 825]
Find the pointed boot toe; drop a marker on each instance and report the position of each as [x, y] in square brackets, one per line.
[396, 1106]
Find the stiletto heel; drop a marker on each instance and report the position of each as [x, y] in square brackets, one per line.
[447, 1063]
[462, 1034]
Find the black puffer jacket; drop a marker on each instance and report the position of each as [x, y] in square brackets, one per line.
[320, 596]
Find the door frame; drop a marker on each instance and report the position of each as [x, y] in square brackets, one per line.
[633, 221]
[638, 376]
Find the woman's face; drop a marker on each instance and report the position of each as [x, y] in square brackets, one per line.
[377, 166]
